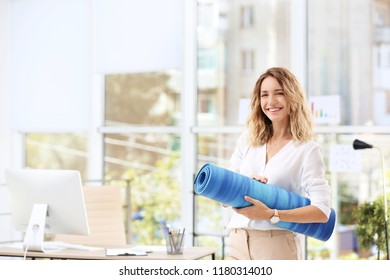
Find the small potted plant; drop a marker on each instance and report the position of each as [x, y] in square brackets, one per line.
[370, 228]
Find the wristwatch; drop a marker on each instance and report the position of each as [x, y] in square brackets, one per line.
[275, 218]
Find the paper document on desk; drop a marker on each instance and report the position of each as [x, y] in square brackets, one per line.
[150, 248]
[124, 252]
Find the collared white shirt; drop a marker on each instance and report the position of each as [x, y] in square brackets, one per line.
[297, 167]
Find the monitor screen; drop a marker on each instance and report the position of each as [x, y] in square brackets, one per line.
[52, 197]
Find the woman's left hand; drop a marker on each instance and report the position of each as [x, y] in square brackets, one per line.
[257, 211]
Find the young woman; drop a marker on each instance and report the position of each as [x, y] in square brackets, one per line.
[278, 148]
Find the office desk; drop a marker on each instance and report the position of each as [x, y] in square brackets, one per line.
[189, 253]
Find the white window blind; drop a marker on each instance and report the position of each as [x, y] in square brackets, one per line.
[50, 63]
[137, 36]
[57, 46]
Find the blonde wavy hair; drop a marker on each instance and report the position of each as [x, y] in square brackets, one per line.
[301, 120]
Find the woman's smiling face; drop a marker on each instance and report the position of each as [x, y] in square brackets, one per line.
[273, 100]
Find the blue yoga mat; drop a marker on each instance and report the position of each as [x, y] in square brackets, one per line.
[229, 188]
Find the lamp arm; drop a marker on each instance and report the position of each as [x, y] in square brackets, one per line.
[384, 182]
[385, 202]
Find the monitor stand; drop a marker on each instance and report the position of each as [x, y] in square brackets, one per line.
[35, 234]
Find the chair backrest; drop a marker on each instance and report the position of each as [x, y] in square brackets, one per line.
[105, 218]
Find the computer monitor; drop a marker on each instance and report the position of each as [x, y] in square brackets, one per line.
[46, 201]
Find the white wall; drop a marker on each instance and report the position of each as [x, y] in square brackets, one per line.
[50, 69]
[6, 232]
[4, 139]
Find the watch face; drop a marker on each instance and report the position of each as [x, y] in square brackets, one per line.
[274, 220]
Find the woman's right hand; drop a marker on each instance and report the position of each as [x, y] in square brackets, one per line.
[260, 179]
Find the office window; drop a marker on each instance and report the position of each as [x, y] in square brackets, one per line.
[243, 49]
[241, 54]
[151, 98]
[335, 58]
[210, 217]
[57, 151]
[146, 164]
[150, 164]
[334, 69]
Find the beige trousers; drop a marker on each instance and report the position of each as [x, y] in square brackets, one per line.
[247, 244]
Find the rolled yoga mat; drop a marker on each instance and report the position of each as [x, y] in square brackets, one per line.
[229, 188]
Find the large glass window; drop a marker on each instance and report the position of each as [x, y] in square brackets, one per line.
[348, 45]
[146, 161]
[57, 151]
[348, 55]
[237, 42]
[210, 217]
[355, 177]
[151, 98]
[150, 165]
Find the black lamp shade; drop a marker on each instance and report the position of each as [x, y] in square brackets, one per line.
[359, 145]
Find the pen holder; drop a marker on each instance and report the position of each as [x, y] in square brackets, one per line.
[174, 242]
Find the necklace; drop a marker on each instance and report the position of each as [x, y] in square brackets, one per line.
[274, 143]
[274, 147]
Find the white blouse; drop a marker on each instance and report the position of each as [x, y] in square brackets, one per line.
[298, 168]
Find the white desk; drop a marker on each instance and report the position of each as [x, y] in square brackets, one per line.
[189, 253]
